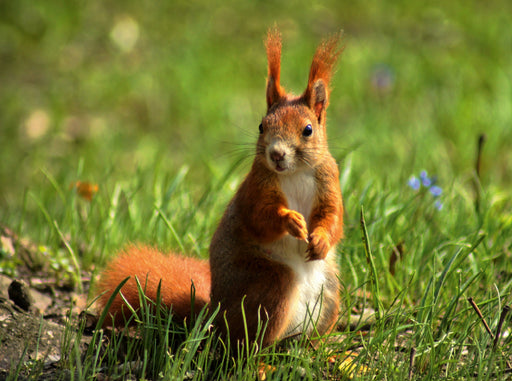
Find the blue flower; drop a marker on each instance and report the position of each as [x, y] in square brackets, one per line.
[414, 183]
[425, 180]
[428, 182]
[436, 191]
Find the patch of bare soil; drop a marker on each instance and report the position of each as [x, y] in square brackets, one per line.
[37, 311]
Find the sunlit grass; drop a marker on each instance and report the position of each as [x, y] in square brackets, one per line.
[156, 107]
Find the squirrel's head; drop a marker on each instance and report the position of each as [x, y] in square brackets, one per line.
[292, 133]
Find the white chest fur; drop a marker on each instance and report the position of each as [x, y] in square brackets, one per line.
[300, 191]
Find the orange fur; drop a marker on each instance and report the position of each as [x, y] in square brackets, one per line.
[317, 90]
[324, 61]
[150, 267]
[274, 45]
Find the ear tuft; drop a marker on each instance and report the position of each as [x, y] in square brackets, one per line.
[273, 45]
[322, 67]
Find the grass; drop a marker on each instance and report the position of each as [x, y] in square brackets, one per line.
[162, 117]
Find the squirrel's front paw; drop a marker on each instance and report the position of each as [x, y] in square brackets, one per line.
[318, 246]
[296, 225]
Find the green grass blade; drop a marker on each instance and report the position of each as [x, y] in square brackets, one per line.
[373, 271]
[171, 228]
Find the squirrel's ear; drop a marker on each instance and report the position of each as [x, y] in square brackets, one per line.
[317, 91]
[273, 44]
[317, 98]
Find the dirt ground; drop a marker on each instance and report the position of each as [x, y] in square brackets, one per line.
[38, 312]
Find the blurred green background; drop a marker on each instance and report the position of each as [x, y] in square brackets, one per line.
[102, 90]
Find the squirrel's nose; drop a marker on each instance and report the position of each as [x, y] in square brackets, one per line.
[277, 155]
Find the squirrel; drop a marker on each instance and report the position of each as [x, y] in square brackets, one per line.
[272, 258]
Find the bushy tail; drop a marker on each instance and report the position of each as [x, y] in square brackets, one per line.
[149, 266]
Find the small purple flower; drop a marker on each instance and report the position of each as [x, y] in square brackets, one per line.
[383, 78]
[425, 180]
[414, 183]
[438, 205]
[436, 191]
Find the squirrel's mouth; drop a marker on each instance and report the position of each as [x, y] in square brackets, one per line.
[283, 167]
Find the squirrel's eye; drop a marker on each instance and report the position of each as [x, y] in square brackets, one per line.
[308, 130]
[261, 128]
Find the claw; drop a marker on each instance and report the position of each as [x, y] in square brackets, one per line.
[318, 246]
[296, 225]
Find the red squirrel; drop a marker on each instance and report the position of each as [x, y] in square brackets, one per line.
[273, 253]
